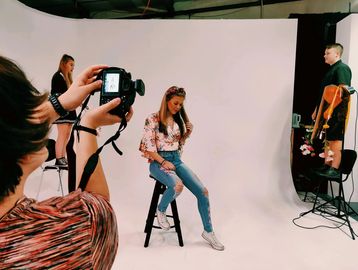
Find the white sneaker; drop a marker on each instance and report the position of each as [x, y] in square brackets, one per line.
[213, 241]
[162, 220]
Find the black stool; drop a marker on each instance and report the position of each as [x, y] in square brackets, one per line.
[51, 144]
[159, 188]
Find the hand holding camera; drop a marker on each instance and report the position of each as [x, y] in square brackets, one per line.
[118, 83]
[100, 116]
[82, 86]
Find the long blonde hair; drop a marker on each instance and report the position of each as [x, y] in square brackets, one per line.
[67, 75]
[180, 118]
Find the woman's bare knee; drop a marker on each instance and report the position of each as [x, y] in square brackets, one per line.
[179, 187]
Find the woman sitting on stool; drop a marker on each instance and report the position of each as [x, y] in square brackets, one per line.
[164, 135]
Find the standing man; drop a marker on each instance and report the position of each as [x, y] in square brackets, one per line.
[338, 74]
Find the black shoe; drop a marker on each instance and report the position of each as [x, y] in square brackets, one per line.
[61, 162]
[330, 173]
[322, 168]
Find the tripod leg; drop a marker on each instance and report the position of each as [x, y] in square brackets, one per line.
[314, 204]
[346, 212]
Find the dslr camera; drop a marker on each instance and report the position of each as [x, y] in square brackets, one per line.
[118, 83]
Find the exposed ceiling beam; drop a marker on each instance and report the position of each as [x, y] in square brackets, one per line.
[139, 9]
[203, 10]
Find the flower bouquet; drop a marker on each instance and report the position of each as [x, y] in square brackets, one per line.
[308, 149]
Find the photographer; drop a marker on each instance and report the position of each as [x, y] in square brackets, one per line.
[77, 231]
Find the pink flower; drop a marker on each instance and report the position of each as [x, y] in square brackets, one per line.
[310, 148]
[328, 157]
[307, 149]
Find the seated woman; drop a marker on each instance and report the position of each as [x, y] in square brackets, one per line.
[78, 231]
[164, 135]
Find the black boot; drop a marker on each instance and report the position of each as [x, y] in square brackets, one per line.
[61, 162]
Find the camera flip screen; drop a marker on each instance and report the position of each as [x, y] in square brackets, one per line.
[111, 83]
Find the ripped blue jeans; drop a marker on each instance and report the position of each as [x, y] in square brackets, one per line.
[184, 174]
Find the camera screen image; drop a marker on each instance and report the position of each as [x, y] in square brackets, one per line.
[111, 83]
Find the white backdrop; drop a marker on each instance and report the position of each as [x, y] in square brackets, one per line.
[238, 76]
[239, 79]
[347, 34]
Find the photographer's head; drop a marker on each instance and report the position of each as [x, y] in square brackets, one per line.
[19, 137]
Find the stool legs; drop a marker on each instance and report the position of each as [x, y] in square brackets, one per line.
[159, 189]
[59, 171]
[177, 222]
[60, 178]
[151, 213]
[38, 191]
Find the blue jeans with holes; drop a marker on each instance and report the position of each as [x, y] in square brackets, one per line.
[184, 174]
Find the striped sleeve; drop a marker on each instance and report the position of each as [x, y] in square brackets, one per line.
[78, 231]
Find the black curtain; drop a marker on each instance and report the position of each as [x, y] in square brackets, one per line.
[314, 32]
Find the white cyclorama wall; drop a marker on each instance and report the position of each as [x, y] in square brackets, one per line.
[238, 75]
[347, 35]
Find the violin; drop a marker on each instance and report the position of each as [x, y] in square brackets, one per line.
[332, 94]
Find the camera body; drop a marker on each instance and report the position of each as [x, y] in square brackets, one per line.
[117, 83]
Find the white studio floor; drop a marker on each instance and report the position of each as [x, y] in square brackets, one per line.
[258, 235]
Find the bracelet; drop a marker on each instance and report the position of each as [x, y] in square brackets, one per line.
[86, 129]
[57, 106]
[161, 163]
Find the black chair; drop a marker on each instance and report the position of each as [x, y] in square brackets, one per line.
[159, 188]
[343, 209]
[51, 150]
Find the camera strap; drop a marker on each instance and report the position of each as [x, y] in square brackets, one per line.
[93, 160]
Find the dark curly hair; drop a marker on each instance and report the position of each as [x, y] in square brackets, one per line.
[18, 135]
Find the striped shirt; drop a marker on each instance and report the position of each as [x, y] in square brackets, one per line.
[78, 231]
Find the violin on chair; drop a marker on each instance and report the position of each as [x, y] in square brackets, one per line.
[332, 96]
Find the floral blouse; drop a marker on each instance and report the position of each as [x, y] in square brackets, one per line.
[154, 141]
